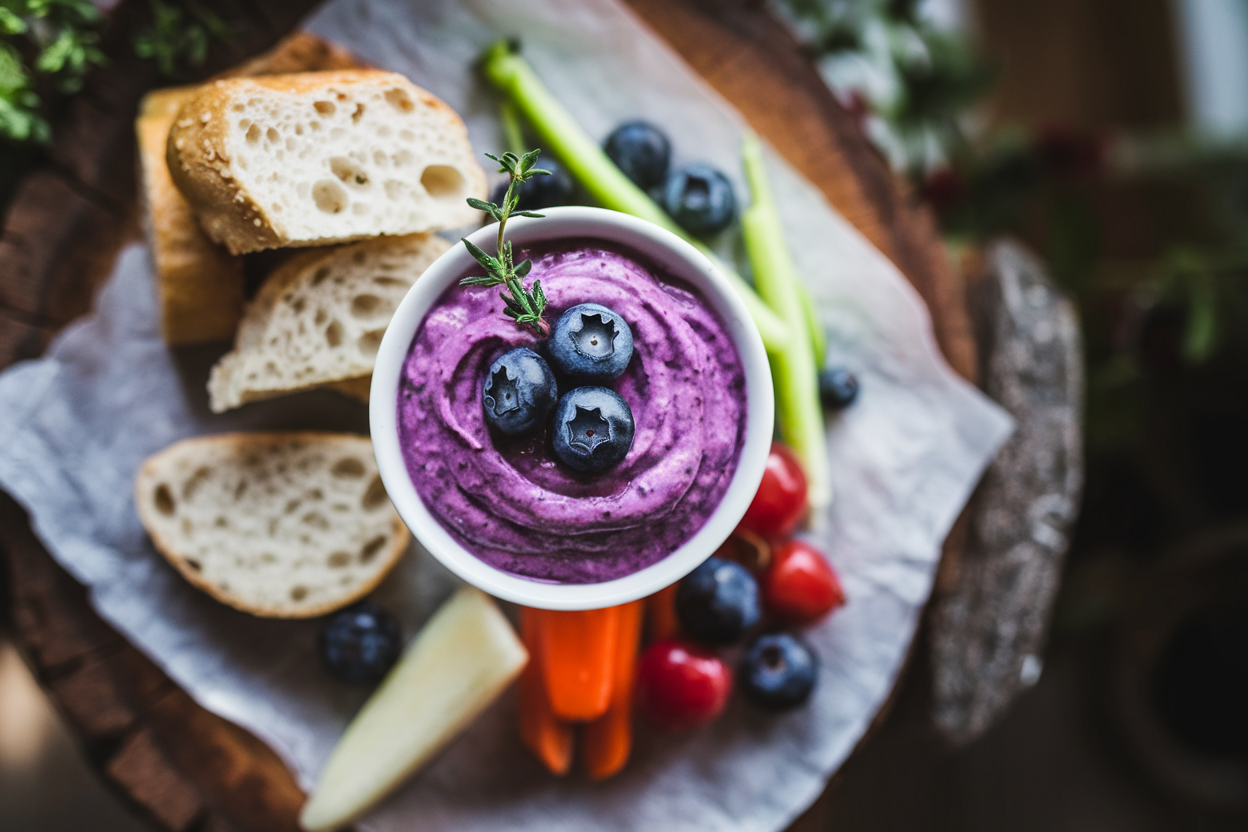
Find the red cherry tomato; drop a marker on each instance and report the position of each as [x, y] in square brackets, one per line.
[800, 586]
[680, 686]
[781, 499]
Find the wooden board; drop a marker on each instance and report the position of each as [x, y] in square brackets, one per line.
[179, 765]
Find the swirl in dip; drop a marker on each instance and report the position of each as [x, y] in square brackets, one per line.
[506, 499]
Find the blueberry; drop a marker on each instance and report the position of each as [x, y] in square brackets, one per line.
[590, 344]
[778, 672]
[519, 392]
[361, 643]
[593, 429]
[541, 191]
[700, 199]
[641, 151]
[717, 603]
[838, 387]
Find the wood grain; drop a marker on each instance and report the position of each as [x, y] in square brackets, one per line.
[186, 769]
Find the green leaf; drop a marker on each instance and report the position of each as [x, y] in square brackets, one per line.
[520, 304]
[179, 34]
[487, 260]
[10, 23]
[528, 214]
[1201, 330]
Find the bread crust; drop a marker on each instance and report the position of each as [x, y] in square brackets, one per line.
[298, 52]
[199, 161]
[356, 388]
[225, 387]
[147, 475]
[200, 285]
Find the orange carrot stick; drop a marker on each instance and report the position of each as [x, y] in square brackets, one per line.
[661, 621]
[608, 740]
[578, 659]
[544, 734]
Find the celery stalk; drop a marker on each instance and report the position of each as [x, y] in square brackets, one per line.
[794, 367]
[602, 180]
[512, 130]
[818, 335]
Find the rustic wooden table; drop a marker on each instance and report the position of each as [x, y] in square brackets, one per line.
[178, 764]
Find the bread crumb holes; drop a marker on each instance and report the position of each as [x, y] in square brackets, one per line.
[442, 181]
[348, 468]
[399, 100]
[330, 196]
[163, 498]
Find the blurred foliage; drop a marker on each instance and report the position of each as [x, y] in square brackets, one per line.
[47, 47]
[178, 37]
[909, 80]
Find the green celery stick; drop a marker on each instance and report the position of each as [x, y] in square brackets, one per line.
[794, 367]
[818, 335]
[605, 183]
[512, 129]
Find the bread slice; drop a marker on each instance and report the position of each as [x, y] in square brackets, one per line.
[199, 284]
[356, 388]
[281, 525]
[315, 158]
[319, 318]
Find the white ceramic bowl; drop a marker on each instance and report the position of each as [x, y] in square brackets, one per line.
[678, 258]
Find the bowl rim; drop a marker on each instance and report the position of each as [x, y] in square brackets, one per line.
[674, 255]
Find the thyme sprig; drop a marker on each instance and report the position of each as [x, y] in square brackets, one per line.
[523, 305]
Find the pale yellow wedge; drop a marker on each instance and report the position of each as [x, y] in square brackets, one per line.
[460, 662]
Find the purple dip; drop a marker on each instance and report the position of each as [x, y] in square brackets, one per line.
[506, 499]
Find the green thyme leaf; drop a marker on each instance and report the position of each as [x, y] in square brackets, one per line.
[524, 306]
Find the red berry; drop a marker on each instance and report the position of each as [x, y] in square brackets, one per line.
[781, 499]
[680, 686]
[800, 586]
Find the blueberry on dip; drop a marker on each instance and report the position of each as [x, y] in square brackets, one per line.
[591, 344]
[593, 429]
[519, 392]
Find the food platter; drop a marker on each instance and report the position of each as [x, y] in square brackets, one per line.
[191, 787]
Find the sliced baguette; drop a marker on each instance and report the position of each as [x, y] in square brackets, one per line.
[199, 284]
[356, 388]
[281, 525]
[315, 158]
[319, 318]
